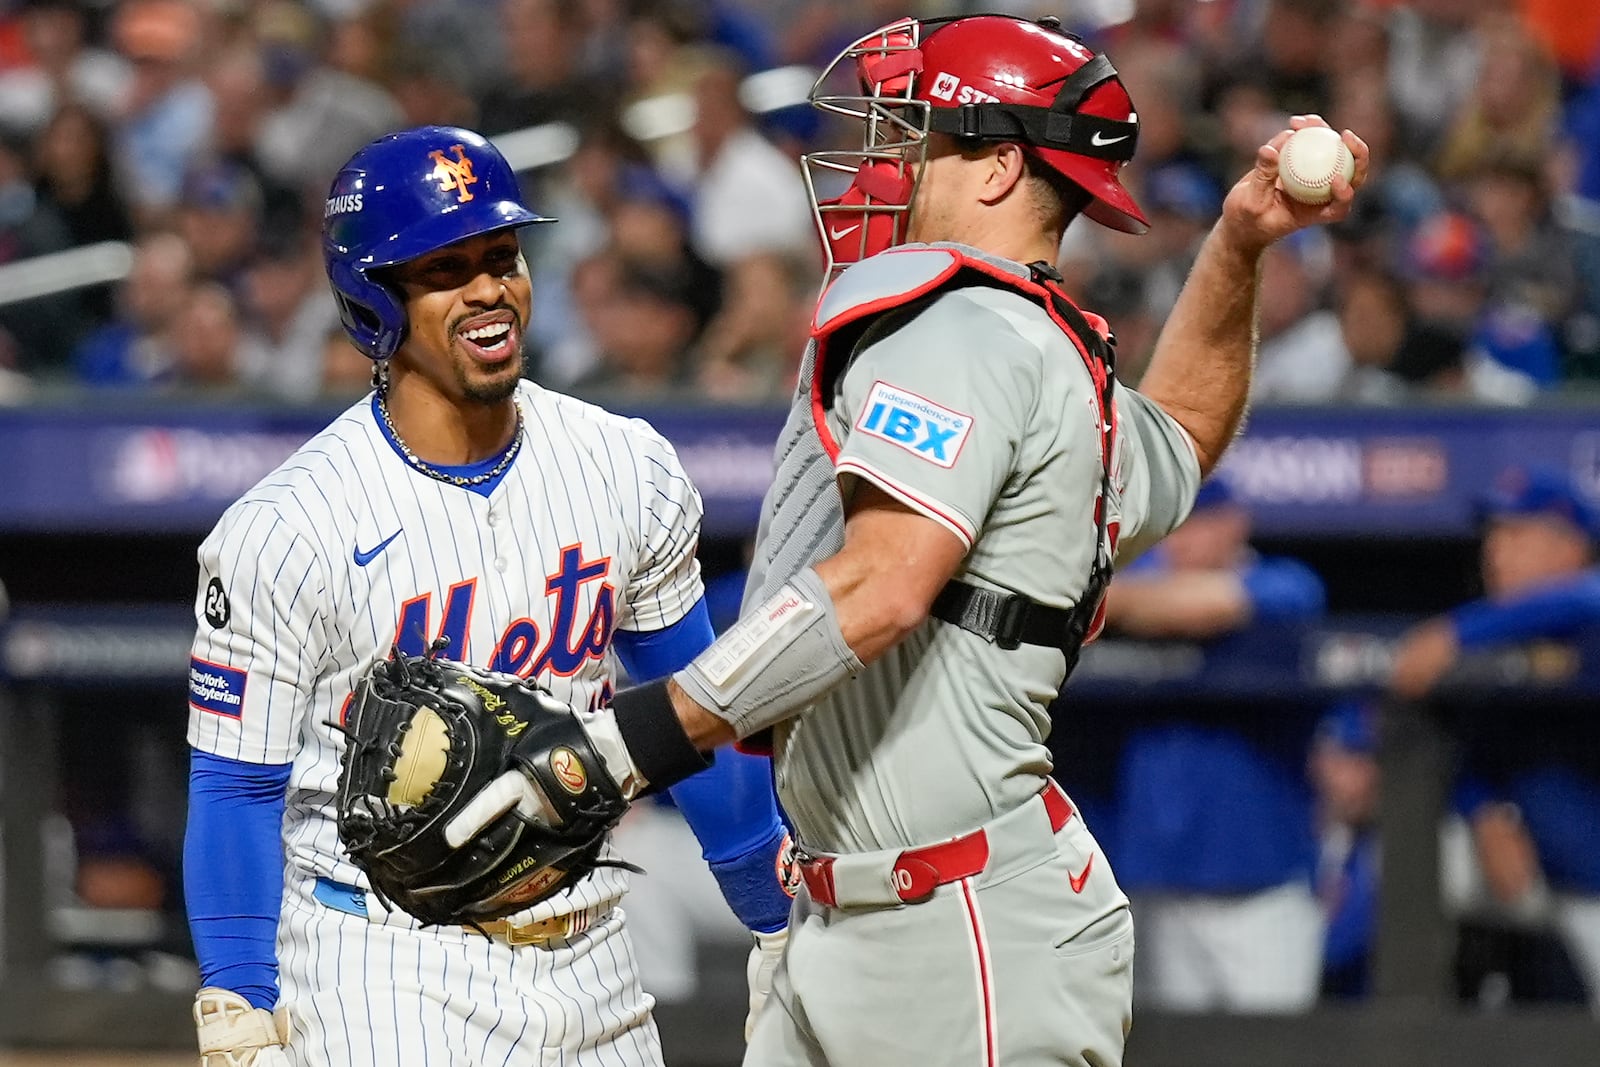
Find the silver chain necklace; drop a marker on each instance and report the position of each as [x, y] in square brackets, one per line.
[453, 479]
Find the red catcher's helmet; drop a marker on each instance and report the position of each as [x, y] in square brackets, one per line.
[981, 78]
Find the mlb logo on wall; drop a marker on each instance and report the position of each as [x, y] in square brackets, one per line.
[916, 424]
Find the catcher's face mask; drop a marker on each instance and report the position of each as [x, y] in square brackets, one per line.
[872, 213]
[980, 79]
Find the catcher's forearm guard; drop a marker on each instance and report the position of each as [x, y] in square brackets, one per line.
[426, 736]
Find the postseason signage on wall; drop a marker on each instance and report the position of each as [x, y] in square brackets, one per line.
[1303, 472]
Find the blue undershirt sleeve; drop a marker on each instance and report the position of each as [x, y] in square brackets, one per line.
[650, 654]
[1557, 611]
[730, 806]
[233, 872]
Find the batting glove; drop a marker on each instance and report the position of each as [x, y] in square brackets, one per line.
[758, 971]
[234, 1034]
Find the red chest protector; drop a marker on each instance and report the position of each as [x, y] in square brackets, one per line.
[903, 278]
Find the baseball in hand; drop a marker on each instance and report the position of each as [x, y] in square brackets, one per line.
[1310, 159]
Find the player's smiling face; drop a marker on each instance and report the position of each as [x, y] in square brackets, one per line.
[466, 306]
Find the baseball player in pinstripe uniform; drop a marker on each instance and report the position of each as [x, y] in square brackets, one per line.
[958, 473]
[543, 537]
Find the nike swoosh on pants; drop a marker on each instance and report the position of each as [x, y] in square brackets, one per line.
[1082, 876]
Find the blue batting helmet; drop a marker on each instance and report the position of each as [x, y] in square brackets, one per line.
[401, 196]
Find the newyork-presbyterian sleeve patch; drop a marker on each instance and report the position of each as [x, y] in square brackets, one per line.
[927, 430]
[215, 688]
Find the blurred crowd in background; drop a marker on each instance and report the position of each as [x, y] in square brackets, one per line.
[205, 133]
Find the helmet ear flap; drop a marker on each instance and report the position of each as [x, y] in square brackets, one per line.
[371, 314]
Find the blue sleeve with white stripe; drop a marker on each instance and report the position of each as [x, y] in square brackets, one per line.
[731, 806]
[233, 872]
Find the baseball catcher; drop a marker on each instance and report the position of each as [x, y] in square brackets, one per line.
[427, 735]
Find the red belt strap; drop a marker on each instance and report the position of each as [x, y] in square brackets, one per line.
[918, 872]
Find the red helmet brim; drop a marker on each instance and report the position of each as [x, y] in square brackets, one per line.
[1113, 205]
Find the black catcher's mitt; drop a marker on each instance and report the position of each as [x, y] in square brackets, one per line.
[427, 735]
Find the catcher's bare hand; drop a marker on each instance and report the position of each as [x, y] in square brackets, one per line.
[1258, 212]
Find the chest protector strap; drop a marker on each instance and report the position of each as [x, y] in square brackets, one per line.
[1007, 619]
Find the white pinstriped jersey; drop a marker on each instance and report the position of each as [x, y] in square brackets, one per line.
[345, 549]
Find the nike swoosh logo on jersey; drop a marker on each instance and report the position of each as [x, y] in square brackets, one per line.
[364, 558]
[839, 235]
[1100, 142]
[1082, 876]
